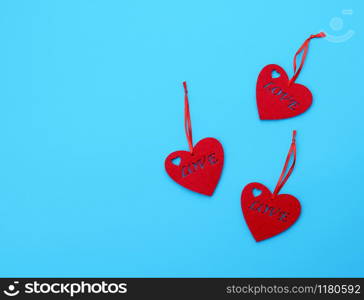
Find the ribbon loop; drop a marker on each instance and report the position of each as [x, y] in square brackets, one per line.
[188, 125]
[303, 48]
[284, 177]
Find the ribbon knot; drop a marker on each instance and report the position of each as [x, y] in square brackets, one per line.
[303, 48]
[284, 177]
[188, 125]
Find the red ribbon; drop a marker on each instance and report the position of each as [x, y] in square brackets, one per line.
[303, 48]
[283, 178]
[188, 126]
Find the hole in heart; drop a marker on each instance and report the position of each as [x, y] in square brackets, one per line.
[176, 161]
[275, 74]
[256, 192]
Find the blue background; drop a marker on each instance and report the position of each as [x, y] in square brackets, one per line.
[91, 103]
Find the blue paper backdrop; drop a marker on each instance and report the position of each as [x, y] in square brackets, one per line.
[91, 103]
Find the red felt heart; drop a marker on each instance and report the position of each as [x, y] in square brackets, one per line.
[267, 217]
[278, 100]
[200, 170]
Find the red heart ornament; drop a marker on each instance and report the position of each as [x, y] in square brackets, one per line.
[200, 170]
[267, 217]
[276, 98]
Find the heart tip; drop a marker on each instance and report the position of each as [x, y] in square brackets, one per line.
[209, 194]
[266, 118]
[263, 117]
[259, 239]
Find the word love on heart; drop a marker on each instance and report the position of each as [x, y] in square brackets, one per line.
[276, 99]
[199, 162]
[268, 214]
[265, 216]
[279, 97]
[200, 168]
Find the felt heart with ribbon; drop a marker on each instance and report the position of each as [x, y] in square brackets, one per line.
[279, 97]
[268, 214]
[200, 168]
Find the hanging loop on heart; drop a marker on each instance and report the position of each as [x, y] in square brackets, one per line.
[303, 48]
[285, 175]
[188, 125]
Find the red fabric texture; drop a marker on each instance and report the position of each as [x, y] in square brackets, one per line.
[279, 97]
[276, 99]
[199, 169]
[266, 217]
[268, 214]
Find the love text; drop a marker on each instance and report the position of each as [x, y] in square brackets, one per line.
[282, 95]
[270, 211]
[199, 164]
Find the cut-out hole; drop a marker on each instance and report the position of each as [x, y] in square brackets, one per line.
[275, 74]
[256, 192]
[176, 161]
